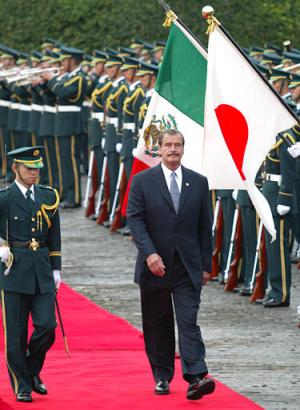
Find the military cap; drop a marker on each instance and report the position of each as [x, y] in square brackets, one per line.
[148, 46]
[159, 45]
[271, 58]
[145, 69]
[295, 80]
[110, 51]
[36, 56]
[23, 58]
[129, 62]
[264, 70]
[126, 52]
[54, 58]
[255, 51]
[113, 59]
[87, 59]
[289, 56]
[99, 57]
[10, 53]
[277, 74]
[31, 157]
[137, 43]
[70, 52]
[48, 41]
[271, 48]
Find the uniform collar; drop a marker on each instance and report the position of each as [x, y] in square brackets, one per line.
[23, 189]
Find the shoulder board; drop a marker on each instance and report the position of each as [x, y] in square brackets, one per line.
[2, 190]
[46, 187]
[118, 81]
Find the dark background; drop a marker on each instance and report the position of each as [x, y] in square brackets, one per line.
[93, 24]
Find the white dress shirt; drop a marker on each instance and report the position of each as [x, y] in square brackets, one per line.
[23, 189]
[168, 174]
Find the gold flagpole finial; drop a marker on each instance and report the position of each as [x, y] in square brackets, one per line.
[170, 17]
[208, 14]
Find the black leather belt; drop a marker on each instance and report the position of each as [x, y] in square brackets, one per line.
[33, 244]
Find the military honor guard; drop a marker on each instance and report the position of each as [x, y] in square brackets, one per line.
[69, 91]
[30, 252]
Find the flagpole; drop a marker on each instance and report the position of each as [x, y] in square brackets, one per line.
[170, 13]
[208, 14]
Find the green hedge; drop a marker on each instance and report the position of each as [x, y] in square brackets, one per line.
[93, 24]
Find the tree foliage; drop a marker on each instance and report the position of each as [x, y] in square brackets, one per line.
[93, 24]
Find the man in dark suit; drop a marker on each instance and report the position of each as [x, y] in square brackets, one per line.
[168, 214]
[30, 231]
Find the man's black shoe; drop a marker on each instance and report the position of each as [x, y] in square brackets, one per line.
[38, 386]
[24, 397]
[270, 303]
[162, 387]
[199, 388]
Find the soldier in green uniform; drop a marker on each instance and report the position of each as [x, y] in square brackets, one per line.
[114, 114]
[102, 84]
[8, 57]
[47, 119]
[30, 231]
[278, 188]
[70, 91]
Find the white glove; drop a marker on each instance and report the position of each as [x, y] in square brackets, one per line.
[283, 209]
[118, 147]
[57, 278]
[102, 143]
[294, 150]
[134, 152]
[4, 253]
[235, 194]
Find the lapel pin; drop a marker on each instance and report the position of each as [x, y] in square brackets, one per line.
[187, 184]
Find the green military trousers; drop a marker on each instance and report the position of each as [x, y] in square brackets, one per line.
[26, 359]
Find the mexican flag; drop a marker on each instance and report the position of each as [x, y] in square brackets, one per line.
[177, 102]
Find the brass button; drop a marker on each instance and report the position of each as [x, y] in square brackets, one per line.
[33, 229]
[33, 219]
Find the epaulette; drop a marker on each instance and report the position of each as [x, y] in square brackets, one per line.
[46, 187]
[4, 189]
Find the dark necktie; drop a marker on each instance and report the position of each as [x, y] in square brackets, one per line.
[29, 200]
[174, 191]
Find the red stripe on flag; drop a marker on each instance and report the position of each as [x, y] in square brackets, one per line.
[138, 166]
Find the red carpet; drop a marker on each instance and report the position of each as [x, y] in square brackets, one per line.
[108, 368]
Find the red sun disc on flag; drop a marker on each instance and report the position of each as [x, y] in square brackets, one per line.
[234, 129]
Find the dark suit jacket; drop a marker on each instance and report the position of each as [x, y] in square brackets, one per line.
[30, 266]
[156, 228]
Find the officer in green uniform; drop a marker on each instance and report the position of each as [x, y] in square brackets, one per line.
[114, 113]
[8, 57]
[22, 92]
[70, 91]
[278, 188]
[30, 231]
[102, 85]
[47, 119]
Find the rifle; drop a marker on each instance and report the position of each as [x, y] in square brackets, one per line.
[120, 191]
[102, 206]
[232, 277]
[217, 233]
[92, 182]
[259, 290]
[230, 252]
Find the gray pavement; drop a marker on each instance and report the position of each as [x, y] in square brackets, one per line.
[253, 350]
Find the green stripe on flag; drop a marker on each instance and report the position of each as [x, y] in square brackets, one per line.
[182, 76]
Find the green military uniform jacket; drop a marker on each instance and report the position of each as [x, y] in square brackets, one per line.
[279, 162]
[70, 91]
[4, 102]
[31, 267]
[131, 109]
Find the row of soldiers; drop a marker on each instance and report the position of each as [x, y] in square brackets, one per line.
[67, 101]
[97, 104]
